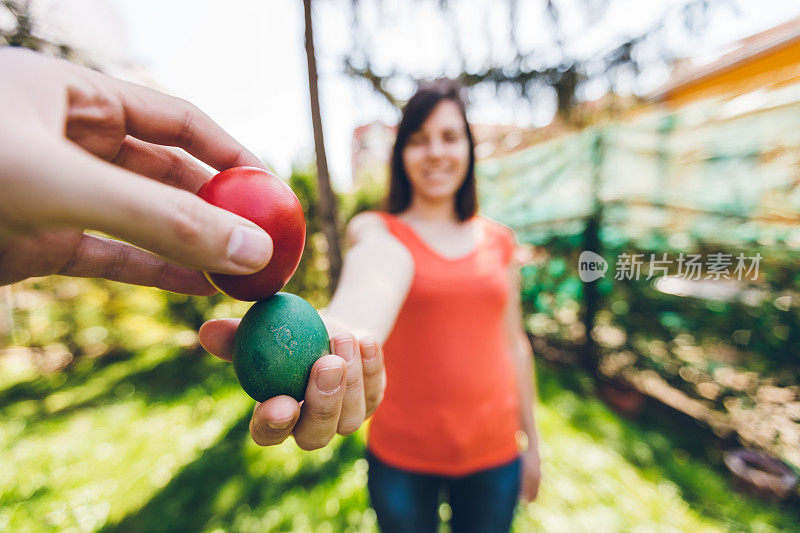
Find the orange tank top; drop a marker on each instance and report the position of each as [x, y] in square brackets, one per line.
[451, 404]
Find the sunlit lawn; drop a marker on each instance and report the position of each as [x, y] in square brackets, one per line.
[159, 442]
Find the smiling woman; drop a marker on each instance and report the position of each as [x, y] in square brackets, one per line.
[443, 138]
[434, 153]
[437, 284]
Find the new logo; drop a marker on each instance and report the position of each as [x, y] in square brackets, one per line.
[591, 266]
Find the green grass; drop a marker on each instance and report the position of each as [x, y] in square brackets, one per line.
[158, 441]
[605, 473]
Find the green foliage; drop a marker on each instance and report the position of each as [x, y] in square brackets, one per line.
[367, 198]
[139, 430]
[159, 442]
[552, 293]
[57, 322]
[765, 327]
[311, 277]
[729, 355]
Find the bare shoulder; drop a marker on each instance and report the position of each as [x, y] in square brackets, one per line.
[370, 228]
[363, 224]
[375, 256]
[500, 229]
[369, 234]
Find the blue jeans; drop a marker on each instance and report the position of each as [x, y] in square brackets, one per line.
[482, 502]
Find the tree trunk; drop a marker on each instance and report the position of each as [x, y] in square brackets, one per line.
[592, 242]
[327, 200]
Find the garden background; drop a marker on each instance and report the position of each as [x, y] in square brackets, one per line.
[115, 419]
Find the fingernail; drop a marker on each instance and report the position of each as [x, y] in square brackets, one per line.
[329, 379]
[344, 349]
[279, 424]
[248, 246]
[369, 352]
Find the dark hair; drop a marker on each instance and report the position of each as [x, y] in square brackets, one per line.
[415, 112]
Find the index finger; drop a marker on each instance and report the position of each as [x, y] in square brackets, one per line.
[216, 337]
[159, 118]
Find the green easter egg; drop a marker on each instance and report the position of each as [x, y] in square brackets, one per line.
[278, 341]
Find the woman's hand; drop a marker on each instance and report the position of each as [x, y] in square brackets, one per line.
[531, 473]
[81, 150]
[344, 389]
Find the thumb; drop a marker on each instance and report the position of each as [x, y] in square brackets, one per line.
[173, 223]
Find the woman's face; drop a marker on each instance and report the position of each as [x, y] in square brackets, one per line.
[436, 157]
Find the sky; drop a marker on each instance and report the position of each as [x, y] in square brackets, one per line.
[243, 61]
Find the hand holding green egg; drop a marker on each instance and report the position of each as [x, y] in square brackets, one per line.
[279, 347]
[277, 342]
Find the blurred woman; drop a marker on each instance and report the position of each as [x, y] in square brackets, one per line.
[437, 285]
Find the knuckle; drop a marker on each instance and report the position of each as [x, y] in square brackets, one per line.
[185, 136]
[373, 400]
[372, 370]
[326, 412]
[347, 427]
[265, 438]
[258, 440]
[163, 273]
[374, 396]
[111, 111]
[235, 159]
[76, 258]
[261, 441]
[256, 435]
[182, 220]
[354, 380]
[174, 169]
[309, 444]
[121, 159]
[105, 107]
[117, 265]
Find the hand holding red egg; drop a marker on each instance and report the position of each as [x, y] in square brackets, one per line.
[263, 198]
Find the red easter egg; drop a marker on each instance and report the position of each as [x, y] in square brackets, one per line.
[263, 198]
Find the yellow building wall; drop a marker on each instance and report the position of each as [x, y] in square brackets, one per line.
[773, 68]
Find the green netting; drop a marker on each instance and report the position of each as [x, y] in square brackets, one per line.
[726, 172]
[543, 191]
[715, 177]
